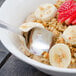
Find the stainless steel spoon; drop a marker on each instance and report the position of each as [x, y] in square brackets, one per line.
[38, 40]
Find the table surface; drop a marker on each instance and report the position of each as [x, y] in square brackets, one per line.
[12, 66]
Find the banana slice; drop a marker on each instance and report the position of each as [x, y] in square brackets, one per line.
[29, 25]
[31, 18]
[60, 55]
[46, 12]
[69, 35]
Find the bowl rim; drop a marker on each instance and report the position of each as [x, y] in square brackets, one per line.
[38, 64]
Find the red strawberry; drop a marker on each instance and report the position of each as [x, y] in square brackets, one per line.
[74, 3]
[62, 19]
[66, 14]
[66, 5]
[70, 19]
[74, 21]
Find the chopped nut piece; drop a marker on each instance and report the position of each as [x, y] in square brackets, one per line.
[45, 55]
[73, 60]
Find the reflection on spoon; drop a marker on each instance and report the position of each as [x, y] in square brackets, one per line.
[38, 39]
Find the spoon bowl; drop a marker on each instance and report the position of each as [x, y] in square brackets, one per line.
[39, 41]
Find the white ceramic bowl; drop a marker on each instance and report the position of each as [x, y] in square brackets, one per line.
[11, 41]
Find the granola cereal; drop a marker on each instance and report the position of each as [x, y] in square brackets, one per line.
[57, 28]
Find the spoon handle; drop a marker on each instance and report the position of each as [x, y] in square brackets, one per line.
[8, 27]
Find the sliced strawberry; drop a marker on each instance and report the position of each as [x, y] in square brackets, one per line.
[66, 5]
[70, 19]
[67, 21]
[62, 20]
[67, 12]
[65, 15]
[74, 3]
[74, 21]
